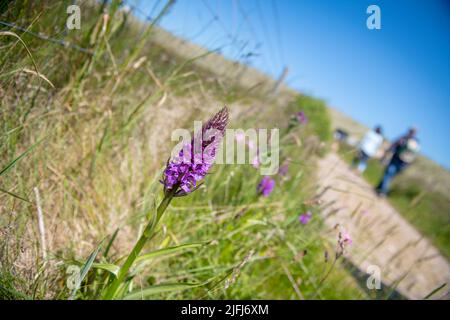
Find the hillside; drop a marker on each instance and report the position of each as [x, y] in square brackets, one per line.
[86, 141]
[85, 138]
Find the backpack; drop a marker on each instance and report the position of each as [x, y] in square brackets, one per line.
[408, 150]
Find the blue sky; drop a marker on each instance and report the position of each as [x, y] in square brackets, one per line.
[397, 76]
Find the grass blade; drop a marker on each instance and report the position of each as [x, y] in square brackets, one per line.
[14, 161]
[165, 287]
[14, 195]
[168, 251]
[12, 34]
[432, 293]
[110, 242]
[111, 268]
[83, 272]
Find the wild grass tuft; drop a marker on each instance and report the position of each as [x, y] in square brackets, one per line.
[106, 115]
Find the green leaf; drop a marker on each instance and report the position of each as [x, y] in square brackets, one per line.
[167, 251]
[111, 268]
[85, 269]
[159, 288]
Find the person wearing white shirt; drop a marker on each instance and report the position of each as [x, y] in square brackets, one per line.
[367, 148]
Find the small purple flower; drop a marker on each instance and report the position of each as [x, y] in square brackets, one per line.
[346, 239]
[183, 172]
[265, 187]
[301, 117]
[304, 218]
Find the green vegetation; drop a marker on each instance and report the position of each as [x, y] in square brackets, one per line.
[426, 209]
[317, 113]
[103, 123]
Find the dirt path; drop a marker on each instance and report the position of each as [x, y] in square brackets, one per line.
[381, 236]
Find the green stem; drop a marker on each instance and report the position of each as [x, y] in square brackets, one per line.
[148, 232]
[325, 277]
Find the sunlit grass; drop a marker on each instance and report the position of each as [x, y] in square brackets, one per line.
[94, 146]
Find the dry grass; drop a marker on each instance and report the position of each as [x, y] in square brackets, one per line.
[105, 128]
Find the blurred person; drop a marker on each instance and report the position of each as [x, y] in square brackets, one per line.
[404, 152]
[367, 148]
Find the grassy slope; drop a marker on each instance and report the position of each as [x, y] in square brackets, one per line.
[105, 125]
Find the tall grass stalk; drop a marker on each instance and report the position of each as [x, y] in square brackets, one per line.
[95, 169]
[146, 235]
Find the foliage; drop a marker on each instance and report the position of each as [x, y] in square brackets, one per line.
[104, 130]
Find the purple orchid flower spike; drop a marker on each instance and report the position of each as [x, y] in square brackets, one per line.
[181, 177]
[266, 186]
[183, 174]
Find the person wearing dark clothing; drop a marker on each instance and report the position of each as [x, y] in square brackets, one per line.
[404, 152]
